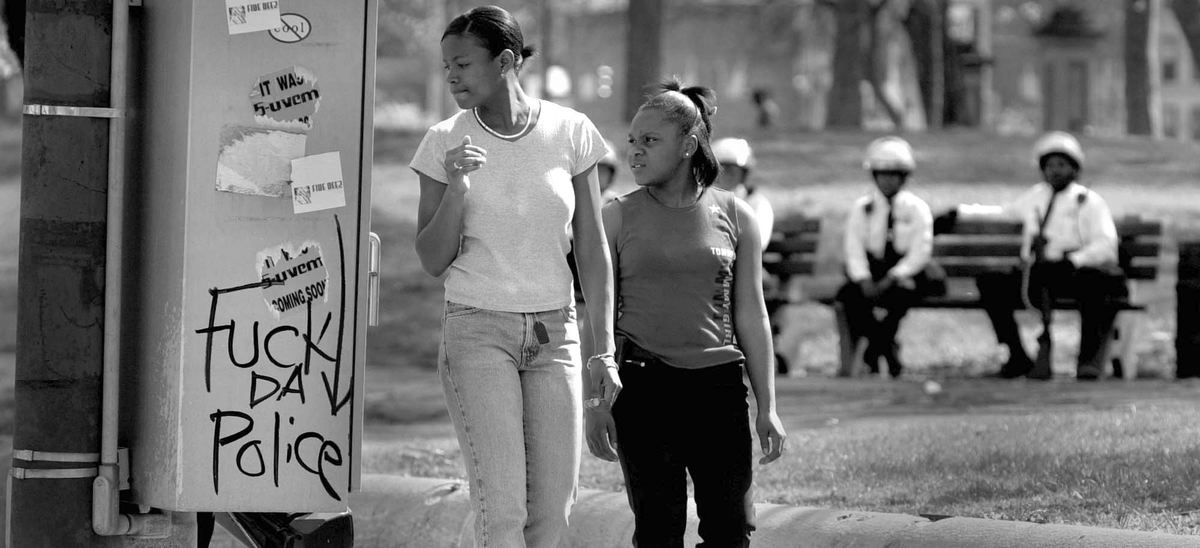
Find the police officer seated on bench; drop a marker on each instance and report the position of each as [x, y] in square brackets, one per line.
[1069, 249]
[888, 242]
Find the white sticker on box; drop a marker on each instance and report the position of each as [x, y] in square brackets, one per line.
[252, 15]
[317, 183]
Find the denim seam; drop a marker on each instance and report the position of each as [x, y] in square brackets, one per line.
[474, 456]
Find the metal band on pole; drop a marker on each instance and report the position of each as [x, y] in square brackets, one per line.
[59, 110]
[53, 473]
[50, 456]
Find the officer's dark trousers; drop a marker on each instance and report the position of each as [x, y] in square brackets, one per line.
[1097, 290]
[672, 422]
[860, 311]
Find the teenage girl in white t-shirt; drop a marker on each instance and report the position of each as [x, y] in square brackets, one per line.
[504, 184]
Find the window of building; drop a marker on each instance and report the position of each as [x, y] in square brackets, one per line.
[1170, 70]
[1170, 120]
[960, 23]
[1195, 126]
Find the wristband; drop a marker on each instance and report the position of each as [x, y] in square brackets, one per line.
[608, 358]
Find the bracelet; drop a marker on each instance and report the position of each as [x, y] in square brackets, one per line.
[609, 356]
[592, 403]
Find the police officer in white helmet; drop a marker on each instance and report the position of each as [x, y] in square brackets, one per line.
[737, 161]
[888, 243]
[1069, 249]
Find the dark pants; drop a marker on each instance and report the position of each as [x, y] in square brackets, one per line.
[895, 301]
[1098, 291]
[672, 422]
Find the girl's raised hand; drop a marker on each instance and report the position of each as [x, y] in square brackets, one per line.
[462, 160]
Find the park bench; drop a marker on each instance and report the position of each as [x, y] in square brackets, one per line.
[792, 251]
[965, 249]
[969, 247]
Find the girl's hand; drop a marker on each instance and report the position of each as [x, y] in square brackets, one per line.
[462, 160]
[603, 373]
[771, 436]
[601, 432]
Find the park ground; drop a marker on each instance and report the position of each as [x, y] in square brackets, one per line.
[1112, 453]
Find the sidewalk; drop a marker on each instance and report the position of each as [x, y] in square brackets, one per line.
[394, 511]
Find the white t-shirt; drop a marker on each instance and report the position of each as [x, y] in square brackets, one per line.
[517, 223]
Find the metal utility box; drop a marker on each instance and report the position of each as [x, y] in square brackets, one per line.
[247, 252]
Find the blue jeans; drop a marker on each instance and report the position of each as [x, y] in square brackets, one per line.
[516, 405]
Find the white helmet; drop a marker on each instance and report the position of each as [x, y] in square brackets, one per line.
[1058, 142]
[890, 154]
[729, 150]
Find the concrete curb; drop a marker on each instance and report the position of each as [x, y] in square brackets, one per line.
[396, 511]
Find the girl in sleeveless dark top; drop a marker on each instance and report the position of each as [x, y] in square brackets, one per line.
[690, 318]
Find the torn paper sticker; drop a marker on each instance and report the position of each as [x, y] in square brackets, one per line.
[287, 98]
[317, 182]
[257, 160]
[252, 15]
[298, 277]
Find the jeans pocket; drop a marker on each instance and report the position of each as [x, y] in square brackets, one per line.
[454, 310]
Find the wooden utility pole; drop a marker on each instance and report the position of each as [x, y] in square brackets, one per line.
[60, 310]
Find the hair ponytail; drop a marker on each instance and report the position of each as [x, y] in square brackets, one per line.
[690, 107]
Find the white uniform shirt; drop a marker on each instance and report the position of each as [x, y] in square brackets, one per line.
[866, 232]
[763, 213]
[1080, 228]
[517, 225]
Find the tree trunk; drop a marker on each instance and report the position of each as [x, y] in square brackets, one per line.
[845, 100]
[954, 82]
[1187, 12]
[924, 26]
[1138, 17]
[875, 69]
[643, 53]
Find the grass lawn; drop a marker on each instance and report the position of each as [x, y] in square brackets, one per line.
[1111, 454]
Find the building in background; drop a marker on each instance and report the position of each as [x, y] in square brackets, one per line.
[1180, 76]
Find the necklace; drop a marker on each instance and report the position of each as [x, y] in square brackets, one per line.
[695, 200]
[528, 119]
